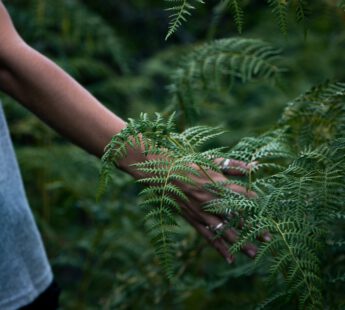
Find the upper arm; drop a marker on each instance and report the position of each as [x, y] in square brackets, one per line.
[9, 38]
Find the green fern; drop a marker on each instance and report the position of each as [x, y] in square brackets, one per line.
[299, 183]
[298, 201]
[180, 10]
[280, 9]
[302, 13]
[217, 65]
[238, 14]
[271, 145]
[172, 159]
[294, 206]
[318, 115]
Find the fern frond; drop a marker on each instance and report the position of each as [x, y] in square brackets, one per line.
[294, 253]
[295, 206]
[302, 13]
[174, 159]
[237, 12]
[217, 65]
[229, 201]
[162, 229]
[301, 6]
[199, 135]
[268, 146]
[103, 180]
[179, 11]
[280, 8]
[318, 115]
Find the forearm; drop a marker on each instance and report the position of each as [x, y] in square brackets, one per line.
[59, 100]
[54, 96]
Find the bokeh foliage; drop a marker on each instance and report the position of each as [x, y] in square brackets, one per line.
[99, 250]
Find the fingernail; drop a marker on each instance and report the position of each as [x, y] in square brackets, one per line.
[251, 253]
[267, 237]
[229, 260]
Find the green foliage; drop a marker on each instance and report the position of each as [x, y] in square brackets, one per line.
[295, 204]
[99, 250]
[302, 13]
[180, 9]
[174, 160]
[318, 115]
[279, 8]
[297, 223]
[237, 12]
[218, 65]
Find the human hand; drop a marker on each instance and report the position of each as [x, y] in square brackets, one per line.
[189, 176]
[209, 225]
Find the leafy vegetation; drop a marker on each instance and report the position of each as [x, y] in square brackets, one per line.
[180, 10]
[100, 250]
[215, 66]
[183, 8]
[296, 205]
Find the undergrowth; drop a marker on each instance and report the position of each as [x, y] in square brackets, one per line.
[299, 180]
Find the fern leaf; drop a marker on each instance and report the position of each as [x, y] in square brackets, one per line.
[237, 12]
[217, 65]
[179, 11]
[176, 160]
[302, 13]
[279, 8]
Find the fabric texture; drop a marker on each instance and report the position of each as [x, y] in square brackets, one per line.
[24, 268]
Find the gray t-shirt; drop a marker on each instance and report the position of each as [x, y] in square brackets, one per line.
[24, 268]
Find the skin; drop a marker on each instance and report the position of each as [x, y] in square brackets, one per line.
[61, 102]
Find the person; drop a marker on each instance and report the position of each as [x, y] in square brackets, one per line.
[26, 279]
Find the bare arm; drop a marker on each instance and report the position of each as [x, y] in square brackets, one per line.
[65, 105]
[59, 100]
[54, 96]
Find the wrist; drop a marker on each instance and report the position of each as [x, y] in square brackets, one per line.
[127, 164]
[134, 155]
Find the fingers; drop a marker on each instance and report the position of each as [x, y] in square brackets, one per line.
[213, 227]
[218, 243]
[242, 190]
[230, 235]
[215, 230]
[234, 167]
[250, 250]
[265, 237]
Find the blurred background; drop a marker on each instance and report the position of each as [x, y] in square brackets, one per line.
[99, 251]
